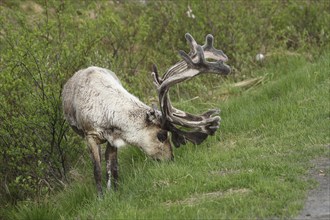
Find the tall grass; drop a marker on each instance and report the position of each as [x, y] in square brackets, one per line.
[254, 167]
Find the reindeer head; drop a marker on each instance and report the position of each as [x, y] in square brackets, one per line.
[200, 59]
[154, 139]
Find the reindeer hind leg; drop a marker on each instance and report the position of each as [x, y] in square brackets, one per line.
[96, 157]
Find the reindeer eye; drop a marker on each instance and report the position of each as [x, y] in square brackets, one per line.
[162, 136]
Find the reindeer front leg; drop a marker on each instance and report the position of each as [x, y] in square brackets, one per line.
[96, 157]
[112, 166]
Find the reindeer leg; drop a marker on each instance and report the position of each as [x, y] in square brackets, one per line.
[96, 157]
[112, 166]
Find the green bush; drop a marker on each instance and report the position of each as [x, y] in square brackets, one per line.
[44, 42]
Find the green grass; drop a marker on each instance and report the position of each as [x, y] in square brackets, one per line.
[255, 167]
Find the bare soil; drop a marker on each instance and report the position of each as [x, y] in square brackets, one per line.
[317, 205]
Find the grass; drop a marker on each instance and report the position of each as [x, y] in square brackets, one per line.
[255, 167]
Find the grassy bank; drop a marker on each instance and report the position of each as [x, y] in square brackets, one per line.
[255, 167]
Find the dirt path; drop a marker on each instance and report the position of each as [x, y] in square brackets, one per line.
[317, 205]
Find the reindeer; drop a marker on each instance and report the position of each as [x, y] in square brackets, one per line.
[99, 109]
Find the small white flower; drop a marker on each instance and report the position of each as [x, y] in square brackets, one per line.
[260, 57]
[189, 9]
[189, 13]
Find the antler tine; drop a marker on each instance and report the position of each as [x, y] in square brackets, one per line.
[157, 80]
[208, 42]
[192, 42]
[182, 65]
[199, 55]
[211, 52]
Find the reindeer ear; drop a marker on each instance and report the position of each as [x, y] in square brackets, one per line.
[153, 116]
